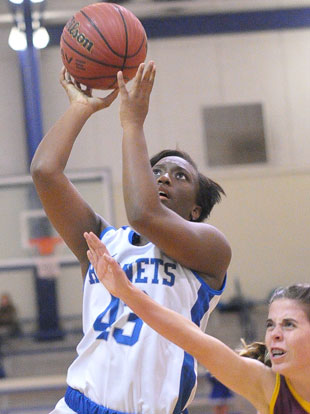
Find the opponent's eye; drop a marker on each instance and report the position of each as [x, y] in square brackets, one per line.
[287, 323]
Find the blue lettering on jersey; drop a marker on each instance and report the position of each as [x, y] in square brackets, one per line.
[156, 263]
[148, 271]
[128, 270]
[172, 276]
[92, 276]
[141, 269]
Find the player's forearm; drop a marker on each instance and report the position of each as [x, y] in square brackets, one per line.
[140, 193]
[166, 322]
[55, 148]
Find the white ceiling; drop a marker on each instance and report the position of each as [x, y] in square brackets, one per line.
[58, 11]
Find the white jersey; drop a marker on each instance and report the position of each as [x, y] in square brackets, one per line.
[122, 363]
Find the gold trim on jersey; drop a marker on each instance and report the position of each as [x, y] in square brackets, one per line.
[274, 394]
[305, 404]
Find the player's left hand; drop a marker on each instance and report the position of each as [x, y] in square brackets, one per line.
[107, 269]
[135, 102]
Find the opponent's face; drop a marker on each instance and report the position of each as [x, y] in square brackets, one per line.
[288, 337]
[178, 185]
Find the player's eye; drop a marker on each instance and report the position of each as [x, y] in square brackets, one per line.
[288, 324]
[181, 176]
[156, 172]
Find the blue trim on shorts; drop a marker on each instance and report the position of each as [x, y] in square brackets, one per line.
[81, 404]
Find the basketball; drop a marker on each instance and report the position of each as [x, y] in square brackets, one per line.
[100, 40]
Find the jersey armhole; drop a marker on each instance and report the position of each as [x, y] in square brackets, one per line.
[274, 394]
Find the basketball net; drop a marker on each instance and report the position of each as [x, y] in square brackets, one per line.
[47, 264]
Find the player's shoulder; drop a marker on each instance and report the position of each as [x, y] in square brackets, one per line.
[123, 232]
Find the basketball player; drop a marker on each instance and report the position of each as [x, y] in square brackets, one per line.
[123, 366]
[279, 385]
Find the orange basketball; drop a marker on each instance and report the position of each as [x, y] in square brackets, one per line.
[100, 40]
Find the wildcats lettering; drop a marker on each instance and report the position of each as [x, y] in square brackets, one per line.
[73, 28]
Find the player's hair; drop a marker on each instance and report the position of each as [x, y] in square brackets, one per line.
[300, 293]
[209, 192]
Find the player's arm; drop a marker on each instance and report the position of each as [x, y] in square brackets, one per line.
[199, 246]
[245, 376]
[67, 210]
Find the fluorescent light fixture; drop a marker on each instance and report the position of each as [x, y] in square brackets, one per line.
[17, 39]
[22, 1]
[40, 38]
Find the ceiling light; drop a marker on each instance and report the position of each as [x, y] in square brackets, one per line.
[17, 39]
[40, 38]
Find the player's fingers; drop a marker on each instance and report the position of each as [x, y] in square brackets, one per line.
[121, 83]
[91, 242]
[62, 74]
[91, 258]
[88, 91]
[95, 244]
[153, 74]
[112, 265]
[68, 77]
[148, 70]
[109, 259]
[139, 76]
[111, 97]
[148, 78]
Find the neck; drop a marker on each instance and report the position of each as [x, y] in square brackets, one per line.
[301, 385]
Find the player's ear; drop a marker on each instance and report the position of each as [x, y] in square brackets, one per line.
[195, 213]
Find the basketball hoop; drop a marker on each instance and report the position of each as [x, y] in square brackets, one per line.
[45, 245]
[48, 263]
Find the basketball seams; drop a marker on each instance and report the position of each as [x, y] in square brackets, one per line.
[122, 56]
[113, 29]
[94, 60]
[101, 35]
[88, 57]
[126, 36]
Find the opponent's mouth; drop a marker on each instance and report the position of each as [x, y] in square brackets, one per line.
[277, 352]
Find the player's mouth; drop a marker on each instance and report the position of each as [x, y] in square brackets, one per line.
[163, 195]
[277, 353]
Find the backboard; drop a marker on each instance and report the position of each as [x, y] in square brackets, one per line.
[23, 220]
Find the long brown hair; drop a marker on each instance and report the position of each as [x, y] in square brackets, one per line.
[300, 293]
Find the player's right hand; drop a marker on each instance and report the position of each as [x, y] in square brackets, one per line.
[77, 94]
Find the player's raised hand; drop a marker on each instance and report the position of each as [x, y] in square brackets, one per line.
[84, 96]
[135, 102]
[107, 269]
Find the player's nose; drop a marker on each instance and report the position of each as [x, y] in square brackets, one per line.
[164, 178]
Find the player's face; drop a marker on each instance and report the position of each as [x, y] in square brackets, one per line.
[178, 185]
[288, 337]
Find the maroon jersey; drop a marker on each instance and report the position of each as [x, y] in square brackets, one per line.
[285, 400]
